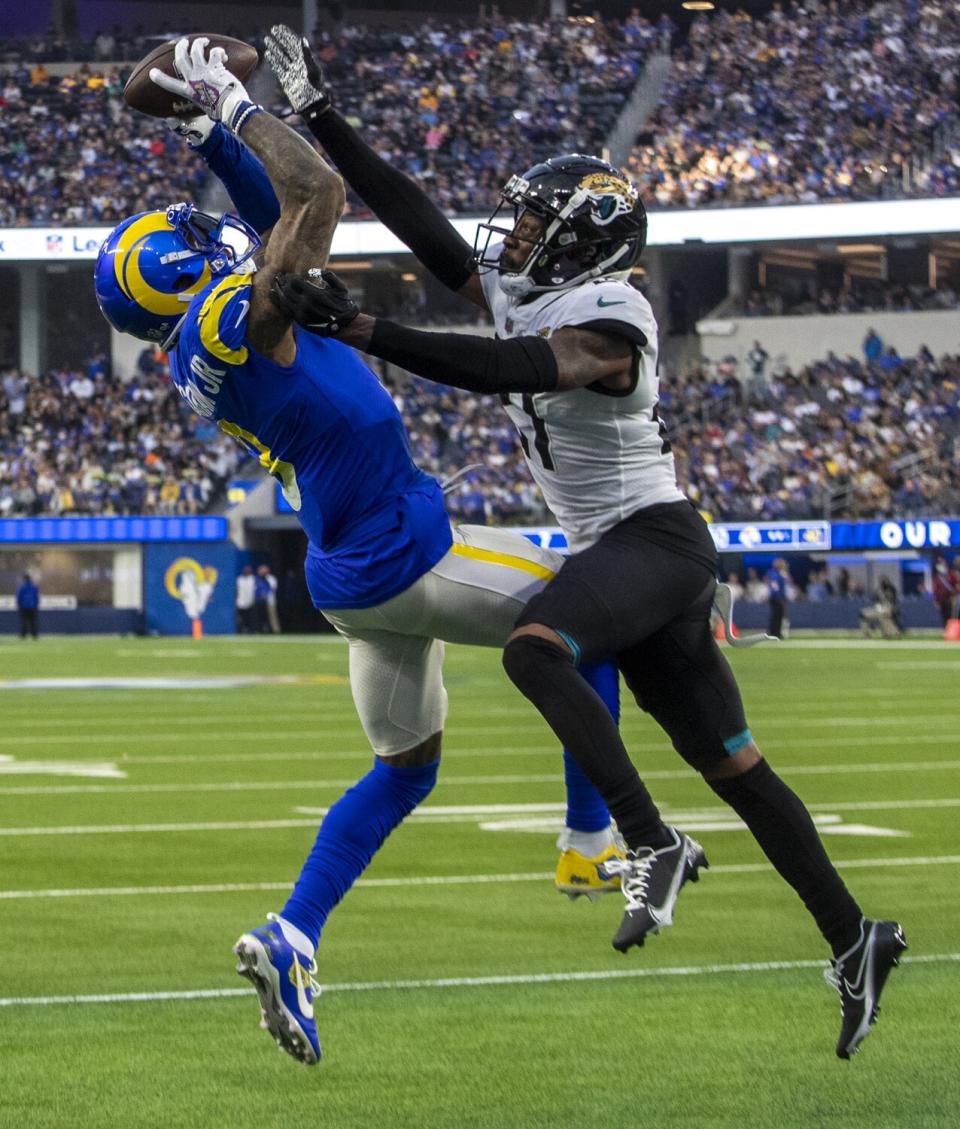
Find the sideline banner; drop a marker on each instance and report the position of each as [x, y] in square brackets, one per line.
[807, 536]
[189, 588]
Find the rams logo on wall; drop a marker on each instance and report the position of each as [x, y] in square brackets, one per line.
[192, 584]
[188, 588]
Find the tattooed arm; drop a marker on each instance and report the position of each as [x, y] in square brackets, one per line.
[310, 194]
[311, 200]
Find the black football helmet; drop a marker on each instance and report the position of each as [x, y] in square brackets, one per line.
[594, 224]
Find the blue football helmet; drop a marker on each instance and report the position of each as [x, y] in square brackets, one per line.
[151, 266]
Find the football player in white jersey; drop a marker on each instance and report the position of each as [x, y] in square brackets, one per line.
[575, 362]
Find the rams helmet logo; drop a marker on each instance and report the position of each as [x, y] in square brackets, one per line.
[152, 265]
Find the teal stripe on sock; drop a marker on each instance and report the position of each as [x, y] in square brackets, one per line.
[735, 744]
[572, 644]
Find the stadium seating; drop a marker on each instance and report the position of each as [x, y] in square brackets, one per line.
[805, 104]
[800, 108]
[76, 442]
[838, 437]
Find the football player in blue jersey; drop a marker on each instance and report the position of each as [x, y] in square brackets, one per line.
[382, 563]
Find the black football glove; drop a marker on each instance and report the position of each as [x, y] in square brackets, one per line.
[298, 70]
[318, 301]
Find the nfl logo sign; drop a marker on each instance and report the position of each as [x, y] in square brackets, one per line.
[54, 244]
[507, 325]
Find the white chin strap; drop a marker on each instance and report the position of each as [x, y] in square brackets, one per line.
[516, 285]
[520, 284]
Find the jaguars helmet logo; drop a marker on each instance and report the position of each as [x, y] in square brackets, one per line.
[609, 196]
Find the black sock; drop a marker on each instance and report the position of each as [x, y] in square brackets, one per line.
[545, 674]
[786, 833]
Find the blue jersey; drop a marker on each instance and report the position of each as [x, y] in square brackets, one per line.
[777, 584]
[328, 430]
[28, 596]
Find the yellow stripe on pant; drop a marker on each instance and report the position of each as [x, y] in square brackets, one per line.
[488, 555]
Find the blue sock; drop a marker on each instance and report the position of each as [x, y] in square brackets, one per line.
[352, 832]
[586, 810]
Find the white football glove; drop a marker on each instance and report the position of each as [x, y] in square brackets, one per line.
[206, 82]
[193, 130]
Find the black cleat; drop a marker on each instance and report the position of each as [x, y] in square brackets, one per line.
[650, 881]
[859, 976]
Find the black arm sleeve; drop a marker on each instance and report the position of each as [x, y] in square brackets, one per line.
[395, 200]
[478, 364]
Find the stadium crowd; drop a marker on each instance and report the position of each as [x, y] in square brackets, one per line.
[469, 443]
[852, 438]
[839, 438]
[76, 441]
[865, 297]
[809, 102]
[802, 104]
[458, 107]
[71, 152]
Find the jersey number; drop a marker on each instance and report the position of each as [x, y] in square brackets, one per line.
[277, 467]
[541, 438]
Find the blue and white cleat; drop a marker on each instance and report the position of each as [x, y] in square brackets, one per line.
[284, 980]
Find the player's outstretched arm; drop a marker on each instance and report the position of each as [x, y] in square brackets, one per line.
[394, 199]
[309, 192]
[240, 172]
[311, 202]
[571, 358]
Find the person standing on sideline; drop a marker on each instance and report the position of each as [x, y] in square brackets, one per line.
[777, 578]
[28, 601]
[246, 584]
[265, 576]
[262, 594]
[945, 589]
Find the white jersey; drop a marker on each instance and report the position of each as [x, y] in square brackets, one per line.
[597, 455]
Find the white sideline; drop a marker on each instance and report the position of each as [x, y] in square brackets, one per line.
[463, 981]
[432, 880]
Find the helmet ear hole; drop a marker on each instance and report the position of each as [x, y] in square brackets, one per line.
[185, 281]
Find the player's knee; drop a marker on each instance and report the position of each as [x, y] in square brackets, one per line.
[406, 784]
[529, 659]
[426, 753]
[732, 765]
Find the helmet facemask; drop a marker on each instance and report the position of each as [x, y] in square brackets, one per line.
[594, 225]
[225, 243]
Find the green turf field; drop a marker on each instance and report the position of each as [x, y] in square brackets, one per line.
[461, 990]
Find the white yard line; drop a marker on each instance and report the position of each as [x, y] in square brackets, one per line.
[430, 880]
[507, 725]
[448, 779]
[256, 785]
[464, 981]
[456, 751]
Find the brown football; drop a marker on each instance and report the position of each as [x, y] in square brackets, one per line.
[148, 98]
